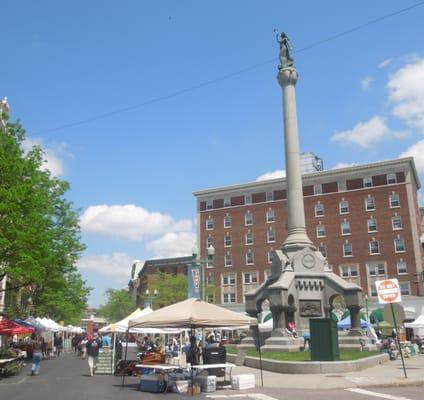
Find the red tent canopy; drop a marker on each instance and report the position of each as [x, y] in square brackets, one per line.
[8, 327]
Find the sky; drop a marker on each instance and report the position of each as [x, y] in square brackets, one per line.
[139, 103]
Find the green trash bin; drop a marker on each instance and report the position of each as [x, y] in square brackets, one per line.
[324, 341]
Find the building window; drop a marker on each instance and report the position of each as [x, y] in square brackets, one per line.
[318, 188]
[347, 249]
[270, 216]
[394, 200]
[209, 223]
[369, 203]
[227, 221]
[248, 199]
[345, 227]
[210, 260]
[372, 225]
[376, 271]
[401, 268]
[227, 240]
[269, 196]
[391, 178]
[323, 249]
[248, 218]
[227, 201]
[250, 277]
[405, 288]
[270, 256]
[249, 237]
[228, 279]
[209, 242]
[320, 230]
[397, 222]
[374, 246]
[344, 207]
[228, 260]
[270, 236]
[341, 186]
[319, 210]
[209, 204]
[229, 298]
[250, 259]
[399, 245]
[349, 271]
[367, 181]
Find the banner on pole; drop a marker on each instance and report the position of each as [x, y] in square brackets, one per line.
[194, 281]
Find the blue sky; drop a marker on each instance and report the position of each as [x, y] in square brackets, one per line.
[360, 99]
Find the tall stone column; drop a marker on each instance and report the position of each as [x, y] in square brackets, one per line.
[297, 237]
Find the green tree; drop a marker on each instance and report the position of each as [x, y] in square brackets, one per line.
[170, 288]
[118, 305]
[39, 234]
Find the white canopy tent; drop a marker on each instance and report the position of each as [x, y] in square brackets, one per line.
[417, 325]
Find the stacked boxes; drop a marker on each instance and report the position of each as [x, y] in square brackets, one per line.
[240, 382]
[104, 363]
[207, 383]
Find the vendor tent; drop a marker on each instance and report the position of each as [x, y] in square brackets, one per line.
[192, 313]
[8, 327]
[122, 325]
[418, 323]
[346, 323]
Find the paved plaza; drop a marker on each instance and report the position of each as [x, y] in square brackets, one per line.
[66, 378]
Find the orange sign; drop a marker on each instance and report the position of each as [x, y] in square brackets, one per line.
[388, 291]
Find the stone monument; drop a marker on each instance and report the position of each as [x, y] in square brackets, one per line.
[301, 285]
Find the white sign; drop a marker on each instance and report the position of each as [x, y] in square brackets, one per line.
[388, 291]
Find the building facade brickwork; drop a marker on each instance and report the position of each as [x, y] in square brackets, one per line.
[365, 219]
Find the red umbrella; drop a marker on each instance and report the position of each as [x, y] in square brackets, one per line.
[8, 327]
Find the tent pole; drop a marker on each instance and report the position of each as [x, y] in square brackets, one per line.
[113, 352]
[126, 352]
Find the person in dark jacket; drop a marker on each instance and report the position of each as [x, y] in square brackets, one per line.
[93, 346]
[193, 352]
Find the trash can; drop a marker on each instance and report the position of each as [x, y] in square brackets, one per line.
[324, 341]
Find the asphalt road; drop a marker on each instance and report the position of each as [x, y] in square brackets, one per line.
[67, 378]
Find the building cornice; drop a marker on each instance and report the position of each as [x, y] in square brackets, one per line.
[316, 177]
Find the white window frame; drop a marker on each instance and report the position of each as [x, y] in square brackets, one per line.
[341, 186]
[209, 224]
[209, 241]
[397, 218]
[210, 261]
[318, 188]
[250, 222]
[370, 198]
[352, 271]
[345, 254]
[269, 196]
[228, 260]
[230, 277]
[269, 256]
[321, 232]
[367, 181]
[373, 240]
[391, 177]
[319, 210]
[378, 272]
[270, 216]
[247, 199]
[228, 240]
[226, 219]
[251, 275]
[323, 246]
[394, 196]
[246, 236]
[408, 285]
[250, 258]
[229, 298]
[209, 204]
[375, 223]
[343, 225]
[404, 245]
[402, 267]
[341, 209]
[270, 236]
[227, 201]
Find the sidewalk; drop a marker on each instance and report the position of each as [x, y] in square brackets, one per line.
[388, 374]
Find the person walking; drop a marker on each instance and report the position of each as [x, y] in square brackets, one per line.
[36, 357]
[93, 345]
[58, 343]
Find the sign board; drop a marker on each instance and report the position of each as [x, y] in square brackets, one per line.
[388, 291]
[398, 311]
[194, 281]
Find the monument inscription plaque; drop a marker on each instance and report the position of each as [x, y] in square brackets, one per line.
[310, 308]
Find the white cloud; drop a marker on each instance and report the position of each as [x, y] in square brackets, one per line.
[416, 151]
[366, 82]
[116, 265]
[52, 155]
[344, 165]
[173, 244]
[384, 63]
[406, 92]
[366, 134]
[279, 173]
[130, 222]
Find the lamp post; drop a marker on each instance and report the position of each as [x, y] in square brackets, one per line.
[150, 297]
[366, 307]
[202, 263]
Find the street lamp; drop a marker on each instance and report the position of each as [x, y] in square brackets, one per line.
[149, 298]
[202, 263]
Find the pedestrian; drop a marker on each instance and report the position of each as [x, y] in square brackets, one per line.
[93, 346]
[36, 357]
[58, 343]
[83, 348]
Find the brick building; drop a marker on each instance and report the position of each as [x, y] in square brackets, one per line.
[365, 219]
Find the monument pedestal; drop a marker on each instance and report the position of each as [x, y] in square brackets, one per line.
[355, 340]
[247, 343]
[280, 341]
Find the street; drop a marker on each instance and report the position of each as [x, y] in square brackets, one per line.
[66, 378]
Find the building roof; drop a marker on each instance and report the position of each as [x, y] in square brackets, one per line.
[326, 175]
